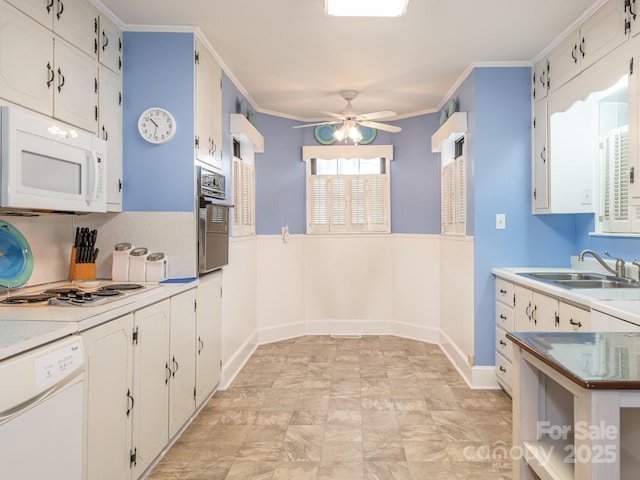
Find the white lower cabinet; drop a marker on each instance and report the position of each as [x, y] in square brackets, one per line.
[209, 330]
[151, 375]
[574, 319]
[182, 387]
[140, 386]
[108, 384]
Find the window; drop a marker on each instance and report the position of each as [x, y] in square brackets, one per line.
[243, 197]
[347, 194]
[454, 188]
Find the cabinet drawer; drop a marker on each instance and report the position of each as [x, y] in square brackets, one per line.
[503, 370]
[504, 317]
[574, 319]
[504, 292]
[504, 346]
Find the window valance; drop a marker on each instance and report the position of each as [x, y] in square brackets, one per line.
[347, 151]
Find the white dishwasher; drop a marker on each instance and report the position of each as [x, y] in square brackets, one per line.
[41, 412]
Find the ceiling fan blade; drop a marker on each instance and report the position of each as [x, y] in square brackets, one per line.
[381, 126]
[375, 115]
[316, 124]
[333, 114]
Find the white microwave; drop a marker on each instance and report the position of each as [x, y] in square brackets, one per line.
[50, 166]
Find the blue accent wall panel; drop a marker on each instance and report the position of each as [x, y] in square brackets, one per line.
[280, 177]
[415, 177]
[158, 72]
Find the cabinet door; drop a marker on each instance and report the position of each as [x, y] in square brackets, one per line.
[26, 61]
[574, 319]
[209, 330]
[540, 165]
[151, 373]
[41, 11]
[602, 32]
[108, 399]
[540, 79]
[564, 61]
[633, 18]
[110, 48]
[208, 107]
[523, 308]
[77, 22]
[183, 360]
[110, 114]
[545, 313]
[76, 99]
[634, 137]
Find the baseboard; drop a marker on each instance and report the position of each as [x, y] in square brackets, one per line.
[232, 367]
[477, 376]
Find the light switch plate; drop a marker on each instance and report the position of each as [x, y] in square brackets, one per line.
[501, 221]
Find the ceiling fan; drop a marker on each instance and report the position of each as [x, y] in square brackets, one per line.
[351, 120]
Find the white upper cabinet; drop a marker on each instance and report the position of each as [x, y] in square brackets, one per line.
[600, 34]
[74, 20]
[110, 45]
[540, 167]
[76, 98]
[540, 79]
[28, 83]
[208, 105]
[110, 128]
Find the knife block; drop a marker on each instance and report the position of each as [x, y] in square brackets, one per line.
[80, 271]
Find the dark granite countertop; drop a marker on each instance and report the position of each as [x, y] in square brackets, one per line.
[594, 360]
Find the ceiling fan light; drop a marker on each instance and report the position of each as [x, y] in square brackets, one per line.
[355, 134]
[365, 8]
[341, 133]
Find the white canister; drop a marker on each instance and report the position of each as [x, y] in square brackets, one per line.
[120, 262]
[138, 264]
[157, 267]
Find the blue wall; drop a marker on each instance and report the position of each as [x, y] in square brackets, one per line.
[158, 72]
[281, 181]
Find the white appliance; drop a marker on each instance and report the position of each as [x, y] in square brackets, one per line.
[48, 165]
[41, 412]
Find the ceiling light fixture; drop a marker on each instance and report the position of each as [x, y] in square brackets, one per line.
[365, 8]
[348, 129]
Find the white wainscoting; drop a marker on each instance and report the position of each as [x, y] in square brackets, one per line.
[346, 285]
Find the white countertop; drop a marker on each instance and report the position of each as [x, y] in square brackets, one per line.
[623, 303]
[24, 327]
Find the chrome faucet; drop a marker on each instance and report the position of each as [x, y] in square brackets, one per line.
[618, 272]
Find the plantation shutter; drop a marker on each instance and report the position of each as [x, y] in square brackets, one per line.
[318, 204]
[461, 195]
[237, 192]
[377, 212]
[616, 210]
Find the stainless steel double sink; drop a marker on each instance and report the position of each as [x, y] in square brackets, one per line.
[582, 280]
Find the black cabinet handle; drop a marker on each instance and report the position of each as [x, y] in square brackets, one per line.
[503, 317]
[60, 9]
[573, 53]
[166, 366]
[582, 47]
[60, 80]
[573, 322]
[503, 291]
[50, 75]
[200, 345]
[502, 369]
[105, 41]
[105, 134]
[503, 343]
[132, 402]
[49, 6]
[533, 315]
[173, 374]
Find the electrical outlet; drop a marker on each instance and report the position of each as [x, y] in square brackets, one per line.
[501, 221]
[471, 359]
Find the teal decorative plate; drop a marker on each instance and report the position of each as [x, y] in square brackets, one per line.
[368, 134]
[324, 134]
[443, 116]
[451, 109]
[16, 259]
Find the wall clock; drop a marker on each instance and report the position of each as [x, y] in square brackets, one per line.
[156, 125]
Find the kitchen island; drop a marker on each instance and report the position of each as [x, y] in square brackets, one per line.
[576, 404]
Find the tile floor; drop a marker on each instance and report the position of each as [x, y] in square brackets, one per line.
[323, 408]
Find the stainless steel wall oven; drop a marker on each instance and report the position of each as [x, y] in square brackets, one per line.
[213, 221]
